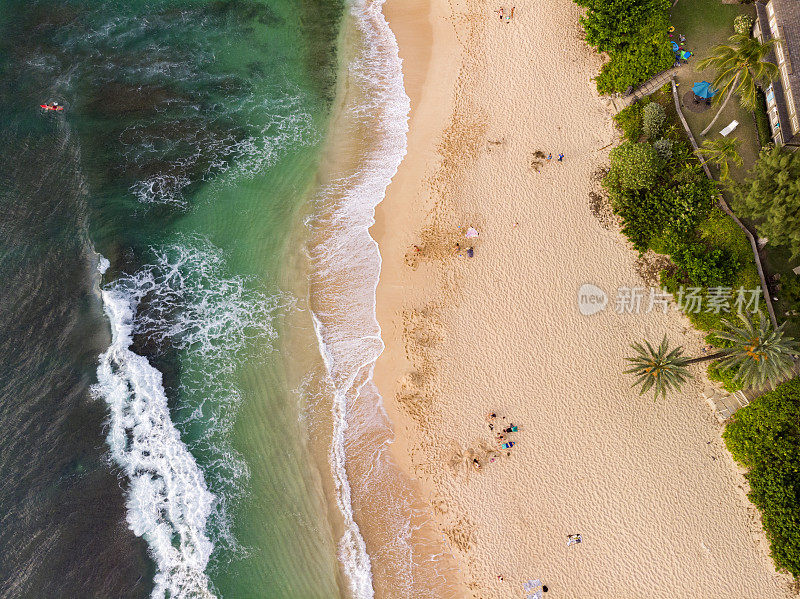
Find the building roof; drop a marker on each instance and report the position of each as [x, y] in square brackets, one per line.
[787, 18]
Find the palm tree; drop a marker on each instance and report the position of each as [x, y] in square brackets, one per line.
[762, 354]
[662, 369]
[722, 151]
[740, 66]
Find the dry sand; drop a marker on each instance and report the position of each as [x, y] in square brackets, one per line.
[648, 484]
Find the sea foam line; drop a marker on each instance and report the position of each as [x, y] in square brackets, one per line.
[349, 337]
[168, 503]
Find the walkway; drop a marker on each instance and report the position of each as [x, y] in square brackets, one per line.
[726, 404]
[645, 89]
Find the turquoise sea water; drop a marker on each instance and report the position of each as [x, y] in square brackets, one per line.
[165, 429]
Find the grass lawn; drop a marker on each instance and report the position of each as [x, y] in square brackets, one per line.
[718, 230]
[705, 24]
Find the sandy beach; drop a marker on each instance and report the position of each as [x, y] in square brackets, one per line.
[649, 485]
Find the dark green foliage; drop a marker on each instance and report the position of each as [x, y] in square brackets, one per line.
[764, 437]
[661, 211]
[612, 24]
[790, 291]
[762, 119]
[771, 197]
[663, 148]
[653, 117]
[724, 376]
[689, 200]
[629, 119]
[633, 166]
[642, 216]
[704, 266]
[634, 33]
[635, 64]
[672, 211]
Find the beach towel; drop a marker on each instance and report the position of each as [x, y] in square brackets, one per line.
[532, 585]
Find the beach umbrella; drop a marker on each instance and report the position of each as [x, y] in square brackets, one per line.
[471, 233]
[703, 89]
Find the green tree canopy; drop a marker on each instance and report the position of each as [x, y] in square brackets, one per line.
[612, 24]
[771, 196]
[758, 352]
[661, 369]
[633, 166]
[764, 437]
[647, 54]
[634, 34]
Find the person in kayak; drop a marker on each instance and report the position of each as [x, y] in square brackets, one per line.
[53, 106]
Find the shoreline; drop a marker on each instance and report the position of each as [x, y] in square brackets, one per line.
[649, 485]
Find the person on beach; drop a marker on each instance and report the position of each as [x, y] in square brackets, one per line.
[470, 253]
[550, 156]
[500, 11]
[561, 157]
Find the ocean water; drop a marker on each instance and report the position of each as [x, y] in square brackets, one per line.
[155, 444]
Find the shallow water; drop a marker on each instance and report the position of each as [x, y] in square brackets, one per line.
[152, 428]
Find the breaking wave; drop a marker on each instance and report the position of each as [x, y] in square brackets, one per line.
[184, 301]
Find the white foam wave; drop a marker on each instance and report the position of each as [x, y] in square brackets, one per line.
[285, 125]
[168, 502]
[162, 189]
[346, 324]
[186, 301]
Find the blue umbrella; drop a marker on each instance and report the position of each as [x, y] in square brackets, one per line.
[703, 89]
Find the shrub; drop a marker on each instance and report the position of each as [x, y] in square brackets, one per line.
[653, 117]
[704, 266]
[635, 63]
[629, 119]
[643, 216]
[633, 166]
[764, 437]
[663, 148]
[612, 24]
[743, 24]
[634, 34]
[689, 200]
[724, 376]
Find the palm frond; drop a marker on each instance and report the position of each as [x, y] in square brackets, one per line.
[762, 353]
[659, 369]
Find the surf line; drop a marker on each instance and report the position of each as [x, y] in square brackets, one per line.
[349, 339]
[168, 502]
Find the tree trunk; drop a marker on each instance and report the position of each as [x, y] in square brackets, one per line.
[721, 108]
[719, 354]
